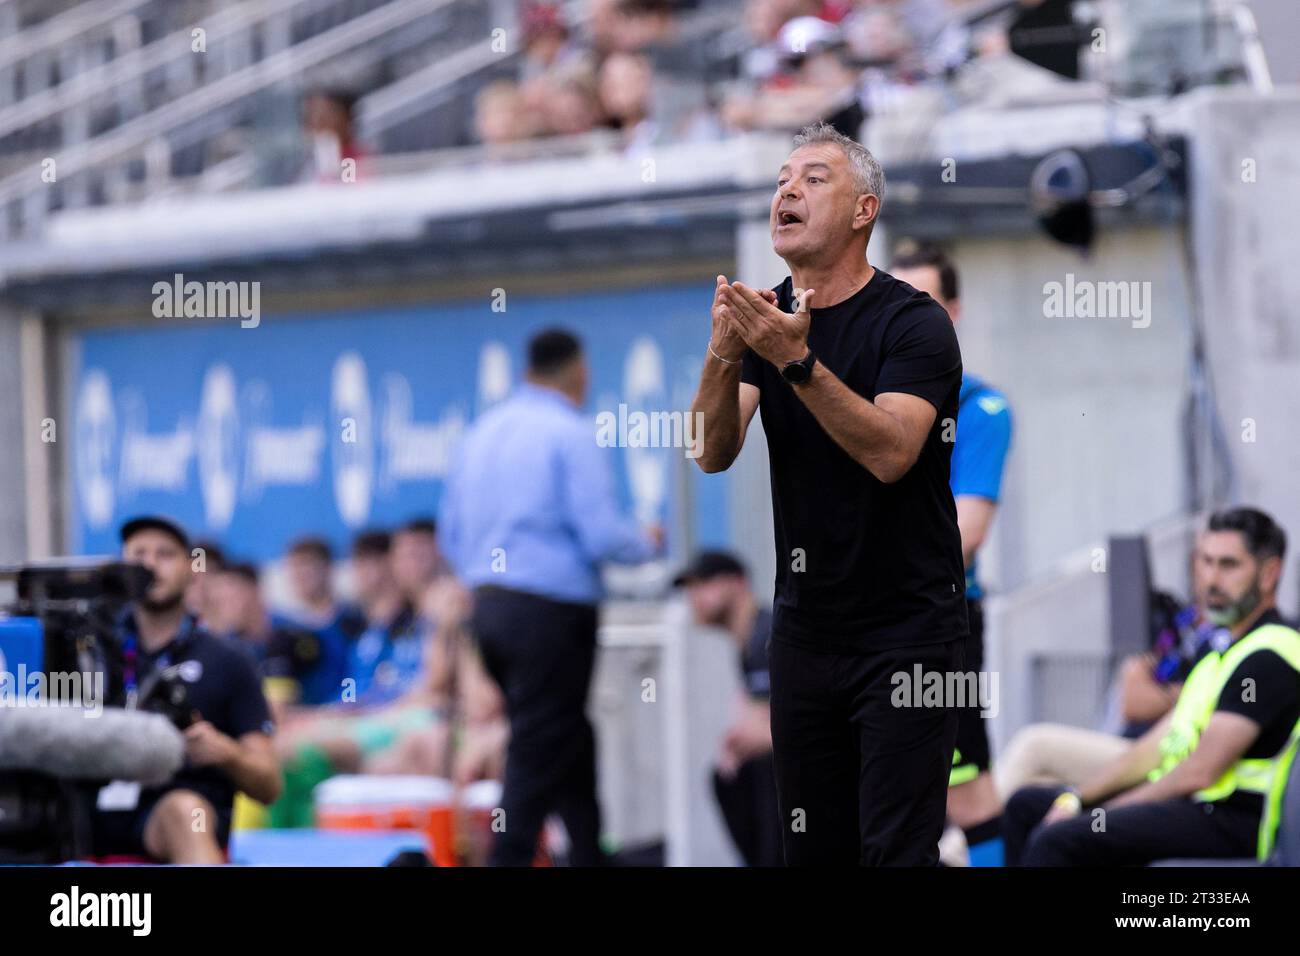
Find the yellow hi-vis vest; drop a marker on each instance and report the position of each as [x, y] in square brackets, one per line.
[1196, 704]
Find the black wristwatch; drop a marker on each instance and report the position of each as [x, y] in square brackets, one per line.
[800, 371]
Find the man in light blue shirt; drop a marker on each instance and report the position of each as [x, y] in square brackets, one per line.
[528, 515]
[530, 503]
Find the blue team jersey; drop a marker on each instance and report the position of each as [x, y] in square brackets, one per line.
[980, 450]
[386, 660]
[320, 676]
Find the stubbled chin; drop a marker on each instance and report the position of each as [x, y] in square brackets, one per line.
[782, 244]
[158, 604]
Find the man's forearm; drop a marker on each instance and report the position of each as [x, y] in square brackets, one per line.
[718, 401]
[1123, 773]
[871, 436]
[256, 773]
[1171, 785]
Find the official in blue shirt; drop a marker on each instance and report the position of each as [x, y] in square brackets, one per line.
[528, 515]
[983, 437]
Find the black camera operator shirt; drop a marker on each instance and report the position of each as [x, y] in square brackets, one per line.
[223, 687]
[862, 565]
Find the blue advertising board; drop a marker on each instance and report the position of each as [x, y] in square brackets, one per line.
[336, 421]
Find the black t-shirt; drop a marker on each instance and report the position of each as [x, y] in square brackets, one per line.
[860, 564]
[223, 686]
[1273, 700]
[290, 651]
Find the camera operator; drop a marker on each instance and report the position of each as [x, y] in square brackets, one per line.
[225, 721]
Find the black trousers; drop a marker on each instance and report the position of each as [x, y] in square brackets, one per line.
[1128, 836]
[748, 804]
[541, 653]
[860, 780]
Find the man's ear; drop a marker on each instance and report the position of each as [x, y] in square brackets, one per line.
[1270, 572]
[866, 210]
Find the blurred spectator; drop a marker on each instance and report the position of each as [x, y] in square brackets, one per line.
[717, 588]
[393, 718]
[309, 562]
[199, 599]
[831, 61]
[298, 666]
[416, 559]
[813, 80]
[234, 600]
[500, 114]
[621, 26]
[572, 104]
[765, 18]
[484, 729]
[763, 22]
[336, 624]
[372, 579]
[547, 44]
[878, 33]
[327, 122]
[625, 96]
[386, 660]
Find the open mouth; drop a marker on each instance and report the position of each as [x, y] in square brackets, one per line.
[788, 219]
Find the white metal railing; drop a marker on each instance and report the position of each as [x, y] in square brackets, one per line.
[127, 140]
[91, 84]
[63, 28]
[388, 106]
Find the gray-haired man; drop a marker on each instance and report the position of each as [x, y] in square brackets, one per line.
[859, 401]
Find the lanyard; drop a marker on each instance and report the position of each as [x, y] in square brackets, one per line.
[129, 655]
[131, 658]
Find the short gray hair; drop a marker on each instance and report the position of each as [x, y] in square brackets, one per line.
[868, 176]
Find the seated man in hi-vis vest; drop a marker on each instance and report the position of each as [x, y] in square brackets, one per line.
[1206, 781]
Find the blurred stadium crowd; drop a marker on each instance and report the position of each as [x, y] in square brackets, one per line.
[410, 79]
[623, 72]
[806, 61]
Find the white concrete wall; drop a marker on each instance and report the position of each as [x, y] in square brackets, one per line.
[1247, 249]
[1097, 403]
[1279, 32]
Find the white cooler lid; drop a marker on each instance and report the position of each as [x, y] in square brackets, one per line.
[381, 790]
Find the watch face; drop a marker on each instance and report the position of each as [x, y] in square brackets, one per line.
[796, 373]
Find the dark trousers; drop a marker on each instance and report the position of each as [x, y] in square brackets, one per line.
[541, 653]
[1127, 836]
[748, 804]
[860, 780]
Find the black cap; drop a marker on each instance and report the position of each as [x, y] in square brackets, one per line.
[709, 564]
[159, 523]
